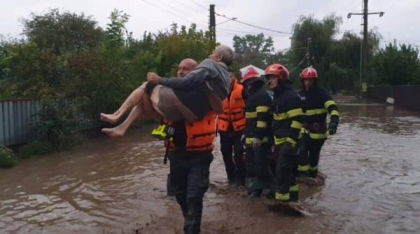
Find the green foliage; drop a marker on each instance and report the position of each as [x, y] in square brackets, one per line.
[36, 148]
[68, 55]
[336, 60]
[397, 66]
[57, 125]
[116, 30]
[34, 72]
[253, 49]
[62, 31]
[321, 34]
[7, 157]
[177, 44]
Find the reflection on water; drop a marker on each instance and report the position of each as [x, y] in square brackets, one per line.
[99, 185]
[372, 165]
[373, 185]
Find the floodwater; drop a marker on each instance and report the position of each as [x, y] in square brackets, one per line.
[119, 185]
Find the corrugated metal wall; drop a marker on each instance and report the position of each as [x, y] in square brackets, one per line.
[19, 117]
[17, 121]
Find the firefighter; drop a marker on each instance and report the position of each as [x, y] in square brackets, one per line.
[317, 103]
[230, 126]
[286, 126]
[190, 146]
[256, 133]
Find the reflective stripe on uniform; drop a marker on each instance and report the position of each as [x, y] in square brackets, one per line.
[280, 116]
[334, 112]
[262, 108]
[296, 124]
[282, 196]
[316, 111]
[261, 124]
[329, 103]
[294, 188]
[278, 141]
[303, 168]
[249, 140]
[251, 115]
[295, 112]
[318, 136]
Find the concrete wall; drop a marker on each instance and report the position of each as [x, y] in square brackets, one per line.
[405, 96]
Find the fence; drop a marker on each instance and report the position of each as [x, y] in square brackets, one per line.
[405, 96]
[19, 117]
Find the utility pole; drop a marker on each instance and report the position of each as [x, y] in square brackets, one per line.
[309, 52]
[212, 26]
[365, 48]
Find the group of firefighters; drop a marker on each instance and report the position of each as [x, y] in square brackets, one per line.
[280, 131]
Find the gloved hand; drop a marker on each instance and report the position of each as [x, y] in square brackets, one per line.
[332, 128]
[256, 143]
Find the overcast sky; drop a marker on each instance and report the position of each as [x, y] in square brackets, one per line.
[401, 19]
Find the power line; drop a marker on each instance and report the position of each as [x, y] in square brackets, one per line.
[205, 8]
[165, 10]
[178, 9]
[247, 32]
[252, 25]
[169, 12]
[188, 5]
[300, 63]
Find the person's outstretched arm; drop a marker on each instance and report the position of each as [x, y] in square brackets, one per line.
[193, 80]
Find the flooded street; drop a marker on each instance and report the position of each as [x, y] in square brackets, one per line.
[119, 185]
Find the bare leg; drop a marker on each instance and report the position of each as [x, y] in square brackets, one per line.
[120, 130]
[149, 110]
[143, 110]
[135, 97]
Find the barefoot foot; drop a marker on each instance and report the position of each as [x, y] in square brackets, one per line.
[113, 132]
[109, 118]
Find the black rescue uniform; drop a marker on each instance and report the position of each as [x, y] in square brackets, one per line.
[317, 103]
[190, 146]
[286, 127]
[258, 119]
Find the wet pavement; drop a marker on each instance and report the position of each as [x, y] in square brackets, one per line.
[119, 185]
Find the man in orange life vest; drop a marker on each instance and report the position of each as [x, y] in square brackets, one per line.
[190, 146]
[230, 126]
[184, 67]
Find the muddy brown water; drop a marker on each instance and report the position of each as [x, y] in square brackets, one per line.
[119, 185]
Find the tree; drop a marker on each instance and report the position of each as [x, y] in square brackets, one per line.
[336, 60]
[322, 35]
[175, 45]
[253, 49]
[397, 65]
[62, 31]
[116, 31]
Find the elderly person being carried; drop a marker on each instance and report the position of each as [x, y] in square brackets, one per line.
[189, 98]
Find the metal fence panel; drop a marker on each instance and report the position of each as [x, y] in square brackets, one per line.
[19, 117]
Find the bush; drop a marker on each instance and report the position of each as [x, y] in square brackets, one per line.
[7, 157]
[34, 149]
[58, 123]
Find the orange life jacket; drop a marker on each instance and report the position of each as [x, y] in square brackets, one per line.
[199, 135]
[233, 110]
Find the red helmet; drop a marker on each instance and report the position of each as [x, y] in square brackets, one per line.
[309, 73]
[249, 74]
[278, 70]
